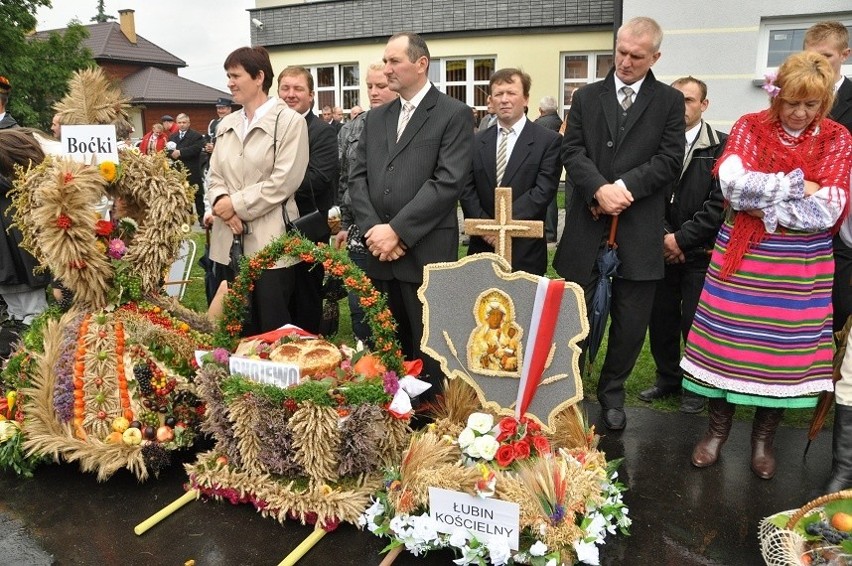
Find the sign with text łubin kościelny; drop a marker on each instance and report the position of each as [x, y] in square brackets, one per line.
[482, 517]
[82, 143]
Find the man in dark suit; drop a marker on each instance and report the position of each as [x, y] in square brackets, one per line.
[693, 217]
[296, 89]
[549, 118]
[831, 39]
[532, 169]
[412, 162]
[188, 146]
[622, 149]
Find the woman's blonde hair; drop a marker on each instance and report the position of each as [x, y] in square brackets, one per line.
[804, 76]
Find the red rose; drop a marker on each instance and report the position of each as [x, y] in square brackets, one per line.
[508, 427]
[505, 455]
[103, 228]
[521, 449]
[541, 444]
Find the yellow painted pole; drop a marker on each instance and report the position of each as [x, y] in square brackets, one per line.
[304, 547]
[165, 511]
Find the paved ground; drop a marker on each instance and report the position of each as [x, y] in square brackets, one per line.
[682, 516]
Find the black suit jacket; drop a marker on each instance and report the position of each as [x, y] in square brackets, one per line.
[414, 184]
[323, 168]
[842, 110]
[647, 156]
[533, 173]
[190, 150]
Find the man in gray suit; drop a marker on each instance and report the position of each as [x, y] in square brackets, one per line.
[411, 164]
[623, 148]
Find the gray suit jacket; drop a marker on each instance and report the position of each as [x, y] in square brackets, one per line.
[414, 185]
[647, 156]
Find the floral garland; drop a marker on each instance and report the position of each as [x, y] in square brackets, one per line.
[336, 264]
[569, 499]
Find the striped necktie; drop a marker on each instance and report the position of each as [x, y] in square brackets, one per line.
[407, 110]
[627, 101]
[501, 153]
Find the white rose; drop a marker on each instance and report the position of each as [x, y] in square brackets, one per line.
[480, 422]
[587, 552]
[498, 550]
[538, 549]
[486, 446]
[459, 538]
[466, 438]
[472, 450]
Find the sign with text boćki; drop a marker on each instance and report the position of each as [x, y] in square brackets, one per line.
[91, 143]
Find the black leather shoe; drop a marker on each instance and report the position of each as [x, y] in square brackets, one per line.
[692, 404]
[614, 419]
[655, 392]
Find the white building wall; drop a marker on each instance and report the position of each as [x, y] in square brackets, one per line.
[718, 41]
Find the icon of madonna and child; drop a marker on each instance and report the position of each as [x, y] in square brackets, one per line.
[494, 347]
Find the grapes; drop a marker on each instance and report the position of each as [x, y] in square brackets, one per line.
[827, 532]
[129, 283]
[142, 372]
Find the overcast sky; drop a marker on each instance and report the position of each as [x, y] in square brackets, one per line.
[201, 32]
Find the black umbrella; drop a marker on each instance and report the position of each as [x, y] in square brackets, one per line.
[608, 263]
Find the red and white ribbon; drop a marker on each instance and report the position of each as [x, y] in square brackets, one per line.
[548, 298]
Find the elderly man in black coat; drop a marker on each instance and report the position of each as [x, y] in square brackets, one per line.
[623, 148]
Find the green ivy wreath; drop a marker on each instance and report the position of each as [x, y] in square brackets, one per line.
[337, 264]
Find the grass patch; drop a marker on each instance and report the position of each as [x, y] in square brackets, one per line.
[642, 377]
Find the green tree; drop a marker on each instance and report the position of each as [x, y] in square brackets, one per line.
[101, 17]
[38, 65]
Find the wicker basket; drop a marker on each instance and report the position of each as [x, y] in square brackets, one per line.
[785, 547]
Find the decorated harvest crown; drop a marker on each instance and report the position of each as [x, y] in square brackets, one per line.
[62, 208]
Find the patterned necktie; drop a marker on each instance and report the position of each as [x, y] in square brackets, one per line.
[501, 153]
[407, 110]
[627, 101]
[181, 135]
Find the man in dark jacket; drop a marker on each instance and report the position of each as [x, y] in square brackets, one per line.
[693, 217]
[296, 89]
[549, 118]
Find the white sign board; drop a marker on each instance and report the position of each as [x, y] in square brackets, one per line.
[260, 371]
[81, 143]
[483, 518]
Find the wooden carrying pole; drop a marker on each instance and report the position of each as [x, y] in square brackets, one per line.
[190, 495]
[304, 547]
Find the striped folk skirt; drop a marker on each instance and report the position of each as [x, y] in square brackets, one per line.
[765, 332]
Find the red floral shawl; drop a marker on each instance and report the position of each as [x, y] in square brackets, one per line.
[823, 157]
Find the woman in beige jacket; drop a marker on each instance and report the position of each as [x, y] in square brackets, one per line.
[260, 160]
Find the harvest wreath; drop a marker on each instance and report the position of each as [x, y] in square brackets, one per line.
[568, 495]
[313, 451]
[109, 383]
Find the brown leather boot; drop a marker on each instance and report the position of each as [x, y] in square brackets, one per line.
[766, 422]
[707, 450]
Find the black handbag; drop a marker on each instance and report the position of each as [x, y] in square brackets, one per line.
[313, 225]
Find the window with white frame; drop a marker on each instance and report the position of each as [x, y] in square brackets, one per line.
[335, 85]
[464, 78]
[781, 37]
[580, 69]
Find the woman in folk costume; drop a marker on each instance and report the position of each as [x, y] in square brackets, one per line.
[762, 334]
